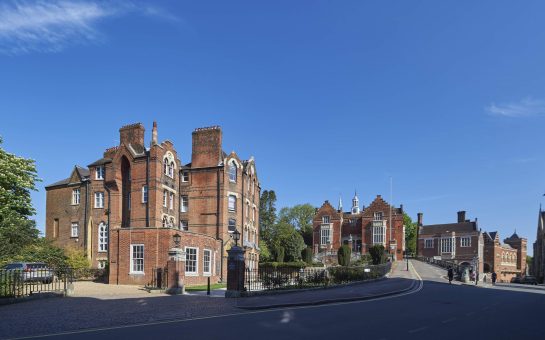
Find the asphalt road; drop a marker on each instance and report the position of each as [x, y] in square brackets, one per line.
[436, 311]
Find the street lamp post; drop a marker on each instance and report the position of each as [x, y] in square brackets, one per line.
[236, 237]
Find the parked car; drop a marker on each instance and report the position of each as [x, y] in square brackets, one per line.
[32, 271]
[528, 280]
[515, 279]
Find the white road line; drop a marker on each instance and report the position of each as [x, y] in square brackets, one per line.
[418, 329]
[152, 323]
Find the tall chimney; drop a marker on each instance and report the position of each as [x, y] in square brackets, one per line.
[207, 150]
[461, 216]
[419, 221]
[132, 134]
[154, 134]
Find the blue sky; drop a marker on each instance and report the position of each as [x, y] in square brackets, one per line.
[447, 98]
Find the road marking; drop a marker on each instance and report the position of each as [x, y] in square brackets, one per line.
[153, 323]
[418, 329]
[448, 320]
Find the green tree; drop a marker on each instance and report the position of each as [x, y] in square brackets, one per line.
[410, 233]
[377, 253]
[285, 236]
[42, 251]
[307, 255]
[300, 216]
[76, 259]
[18, 178]
[265, 253]
[16, 233]
[343, 255]
[267, 215]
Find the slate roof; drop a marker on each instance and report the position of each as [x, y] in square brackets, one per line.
[63, 182]
[443, 228]
[100, 162]
[82, 172]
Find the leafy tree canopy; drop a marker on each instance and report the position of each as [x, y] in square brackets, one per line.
[300, 217]
[410, 233]
[18, 177]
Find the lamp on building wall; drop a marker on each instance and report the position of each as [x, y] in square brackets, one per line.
[236, 237]
[177, 239]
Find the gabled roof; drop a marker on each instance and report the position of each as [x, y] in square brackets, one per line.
[81, 172]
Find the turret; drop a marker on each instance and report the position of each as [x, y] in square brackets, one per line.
[355, 204]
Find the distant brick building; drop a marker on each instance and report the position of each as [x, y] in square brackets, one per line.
[461, 242]
[507, 260]
[379, 223]
[125, 208]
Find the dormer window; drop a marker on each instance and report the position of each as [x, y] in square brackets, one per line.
[99, 172]
[325, 219]
[377, 216]
[232, 171]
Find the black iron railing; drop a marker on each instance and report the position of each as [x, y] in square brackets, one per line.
[159, 279]
[271, 278]
[19, 283]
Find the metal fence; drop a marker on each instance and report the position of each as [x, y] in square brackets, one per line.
[271, 278]
[159, 279]
[20, 283]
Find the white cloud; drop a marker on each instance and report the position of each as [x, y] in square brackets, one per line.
[524, 108]
[50, 26]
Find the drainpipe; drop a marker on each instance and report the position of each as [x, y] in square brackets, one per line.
[218, 220]
[147, 188]
[108, 219]
[85, 240]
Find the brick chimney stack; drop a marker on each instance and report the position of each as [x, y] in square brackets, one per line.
[207, 148]
[132, 134]
[461, 216]
[154, 134]
[419, 220]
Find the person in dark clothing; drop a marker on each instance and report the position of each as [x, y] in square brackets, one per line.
[450, 274]
[494, 277]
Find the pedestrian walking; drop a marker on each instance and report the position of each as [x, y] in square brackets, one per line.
[494, 278]
[450, 274]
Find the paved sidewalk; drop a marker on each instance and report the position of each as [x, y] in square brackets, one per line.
[398, 281]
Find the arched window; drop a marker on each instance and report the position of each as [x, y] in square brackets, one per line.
[171, 222]
[171, 169]
[165, 166]
[165, 222]
[102, 237]
[232, 171]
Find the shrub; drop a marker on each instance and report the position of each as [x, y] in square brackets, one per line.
[377, 254]
[290, 265]
[307, 255]
[343, 255]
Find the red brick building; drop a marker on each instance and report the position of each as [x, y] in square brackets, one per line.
[379, 223]
[460, 242]
[507, 260]
[124, 209]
